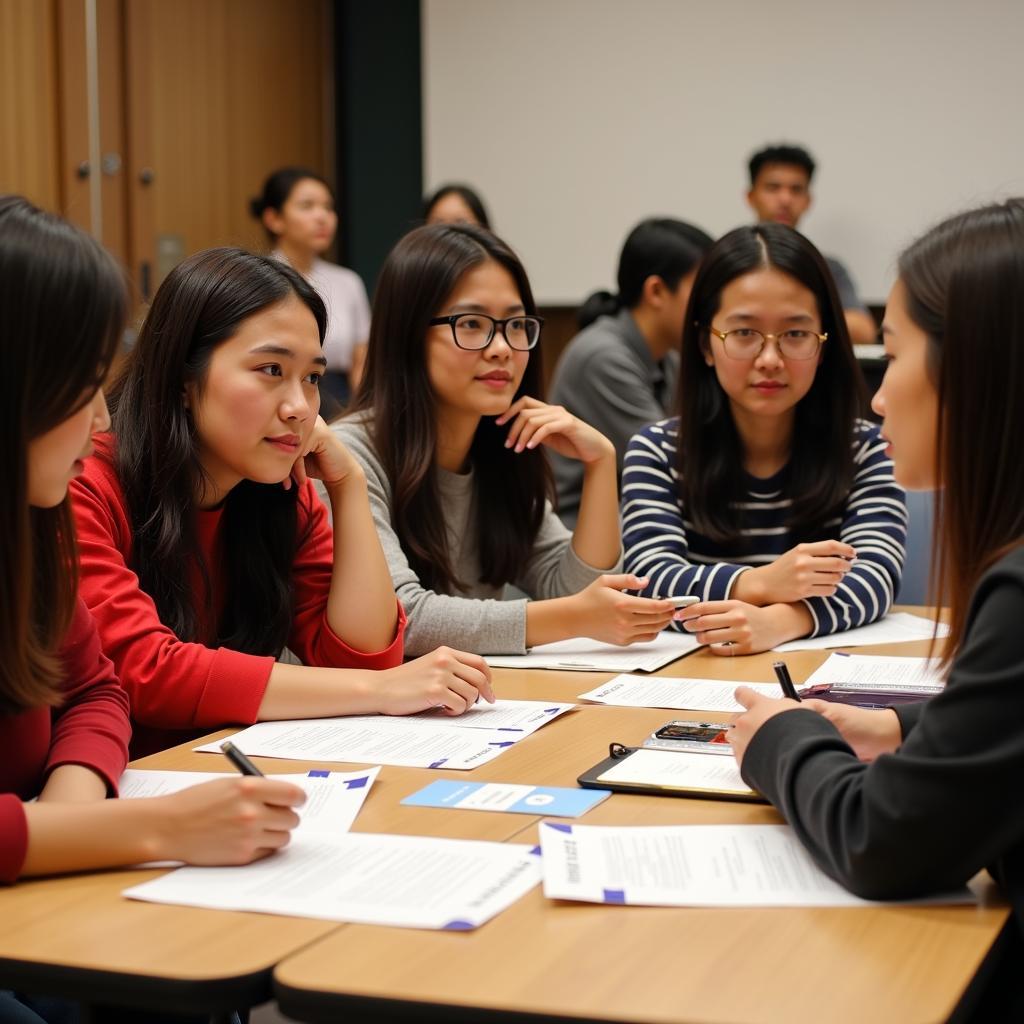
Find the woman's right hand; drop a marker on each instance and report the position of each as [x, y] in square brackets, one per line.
[445, 678]
[808, 570]
[604, 612]
[869, 731]
[226, 821]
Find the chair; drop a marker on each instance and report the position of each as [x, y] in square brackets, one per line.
[914, 585]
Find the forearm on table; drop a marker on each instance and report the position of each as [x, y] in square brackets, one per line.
[361, 605]
[550, 621]
[88, 836]
[302, 691]
[73, 783]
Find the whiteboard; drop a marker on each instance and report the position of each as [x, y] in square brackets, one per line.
[577, 118]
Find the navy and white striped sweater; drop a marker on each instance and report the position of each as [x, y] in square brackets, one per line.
[662, 544]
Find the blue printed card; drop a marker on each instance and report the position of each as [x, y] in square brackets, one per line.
[501, 796]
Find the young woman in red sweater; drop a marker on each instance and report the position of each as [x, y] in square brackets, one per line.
[63, 716]
[204, 547]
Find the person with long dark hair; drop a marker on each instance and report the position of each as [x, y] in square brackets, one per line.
[916, 799]
[205, 549]
[452, 438]
[297, 210]
[619, 373]
[767, 497]
[64, 723]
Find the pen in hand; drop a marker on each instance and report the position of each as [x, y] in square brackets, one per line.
[785, 680]
[240, 761]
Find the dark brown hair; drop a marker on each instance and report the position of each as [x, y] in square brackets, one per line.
[422, 270]
[201, 304]
[964, 283]
[710, 450]
[62, 310]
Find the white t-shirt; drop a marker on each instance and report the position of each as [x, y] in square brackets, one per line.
[348, 310]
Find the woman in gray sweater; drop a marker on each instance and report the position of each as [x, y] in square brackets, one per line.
[451, 439]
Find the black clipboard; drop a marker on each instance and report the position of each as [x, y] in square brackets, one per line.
[618, 752]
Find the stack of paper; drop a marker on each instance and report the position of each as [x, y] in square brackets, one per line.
[405, 881]
[433, 740]
[582, 655]
[894, 628]
[693, 694]
[876, 672]
[691, 865]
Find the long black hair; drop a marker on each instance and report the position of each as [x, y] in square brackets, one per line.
[710, 457]
[964, 287]
[419, 274]
[62, 310]
[659, 246]
[201, 304]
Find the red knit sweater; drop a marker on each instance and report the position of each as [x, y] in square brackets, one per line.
[89, 728]
[180, 689]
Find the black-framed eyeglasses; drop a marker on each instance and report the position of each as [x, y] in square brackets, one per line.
[746, 343]
[475, 331]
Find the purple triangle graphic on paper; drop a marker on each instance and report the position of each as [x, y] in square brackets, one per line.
[356, 783]
[560, 826]
[551, 711]
[614, 895]
[437, 764]
[318, 774]
[535, 851]
[509, 728]
[459, 926]
[505, 743]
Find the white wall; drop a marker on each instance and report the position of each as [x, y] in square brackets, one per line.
[577, 118]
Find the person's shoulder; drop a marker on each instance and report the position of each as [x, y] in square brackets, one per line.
[337, 275]
[1009, 568]
[662, 435]
[100, 472]
[867, 438]
[355, 433]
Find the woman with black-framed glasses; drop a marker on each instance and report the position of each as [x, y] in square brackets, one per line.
[452, 438]
[767, 497]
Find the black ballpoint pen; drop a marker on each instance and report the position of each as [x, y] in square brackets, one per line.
[239, 760]
[785, 680]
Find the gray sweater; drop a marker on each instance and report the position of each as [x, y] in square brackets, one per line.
[475, 619]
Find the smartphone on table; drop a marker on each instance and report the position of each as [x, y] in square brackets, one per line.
[702, 737]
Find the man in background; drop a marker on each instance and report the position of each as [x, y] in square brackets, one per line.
[780, 191]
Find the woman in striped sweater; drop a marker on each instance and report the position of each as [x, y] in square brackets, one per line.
[767, 498]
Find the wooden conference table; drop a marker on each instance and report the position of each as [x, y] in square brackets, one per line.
[539, 959]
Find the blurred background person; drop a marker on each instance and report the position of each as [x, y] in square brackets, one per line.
[296, 207]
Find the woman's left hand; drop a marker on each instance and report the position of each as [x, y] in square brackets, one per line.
[535, 422]
[759, 710]
[733, 627]
[324, 458]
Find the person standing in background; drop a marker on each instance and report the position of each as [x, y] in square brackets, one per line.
[296, 207]
[455, 204]
[619, 373]
[780, 191]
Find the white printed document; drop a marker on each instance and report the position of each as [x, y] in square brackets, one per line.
[516, 716]
[894, 628]
[406, 881]
[877, 672]
[631, 691]
[333, 799]
[584, 655]
[679, 769]
[692, 866]
[377, 739]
